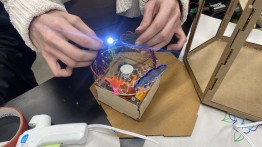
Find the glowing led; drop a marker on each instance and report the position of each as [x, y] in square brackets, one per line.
[110, 40]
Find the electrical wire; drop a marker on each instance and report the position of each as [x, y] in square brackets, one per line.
[236, 127]
[124, 132]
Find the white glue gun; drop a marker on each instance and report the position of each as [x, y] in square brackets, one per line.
[45, 134]
[75, 134]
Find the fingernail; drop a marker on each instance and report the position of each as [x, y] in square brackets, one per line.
[138, 42]
[139, 28]
[100, 40]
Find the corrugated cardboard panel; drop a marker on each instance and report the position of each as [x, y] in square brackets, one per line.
[172, 111]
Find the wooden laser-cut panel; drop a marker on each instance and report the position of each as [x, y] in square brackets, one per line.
[226, 74]
[241, 87]
[204, 62]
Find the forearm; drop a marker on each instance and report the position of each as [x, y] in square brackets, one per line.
[22, 12]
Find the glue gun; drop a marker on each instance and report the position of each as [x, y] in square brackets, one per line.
[45, 134]
[75, 134]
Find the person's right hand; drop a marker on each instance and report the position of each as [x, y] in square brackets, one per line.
[50, 33]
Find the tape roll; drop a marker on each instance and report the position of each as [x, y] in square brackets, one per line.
[9, 111]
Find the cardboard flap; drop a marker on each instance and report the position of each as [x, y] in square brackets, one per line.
[173, 109]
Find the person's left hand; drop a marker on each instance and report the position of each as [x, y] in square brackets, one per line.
[160, 22]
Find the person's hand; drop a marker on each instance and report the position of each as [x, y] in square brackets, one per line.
[160, 22]
[51, 32]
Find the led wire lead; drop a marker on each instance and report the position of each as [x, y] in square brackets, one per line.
[124, 132]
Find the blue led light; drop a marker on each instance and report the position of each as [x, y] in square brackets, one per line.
[110, 40]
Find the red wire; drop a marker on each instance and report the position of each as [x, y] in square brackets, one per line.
[93, 71]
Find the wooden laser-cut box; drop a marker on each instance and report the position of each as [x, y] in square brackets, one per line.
[226, 71]
[118, 102]
[124, 106]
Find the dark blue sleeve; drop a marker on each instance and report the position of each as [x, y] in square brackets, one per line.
[4, 17]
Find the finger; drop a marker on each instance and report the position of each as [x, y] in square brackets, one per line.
[166, 34]
[55, 66]
[181, 40]
[65, 59]
[156, 26]
[159, 46]
[61, 56]
[60, 43]
[84, 40]
[144, 51]
[83, 64]
[81, 26]
[162, 44]
[148, 16]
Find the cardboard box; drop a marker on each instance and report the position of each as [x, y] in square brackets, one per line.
[226, 71]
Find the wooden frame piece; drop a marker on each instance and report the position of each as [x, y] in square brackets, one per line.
[229, 51]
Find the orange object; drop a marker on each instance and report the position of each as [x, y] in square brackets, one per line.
[141, 93]
[134, 77]
[114, 83]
